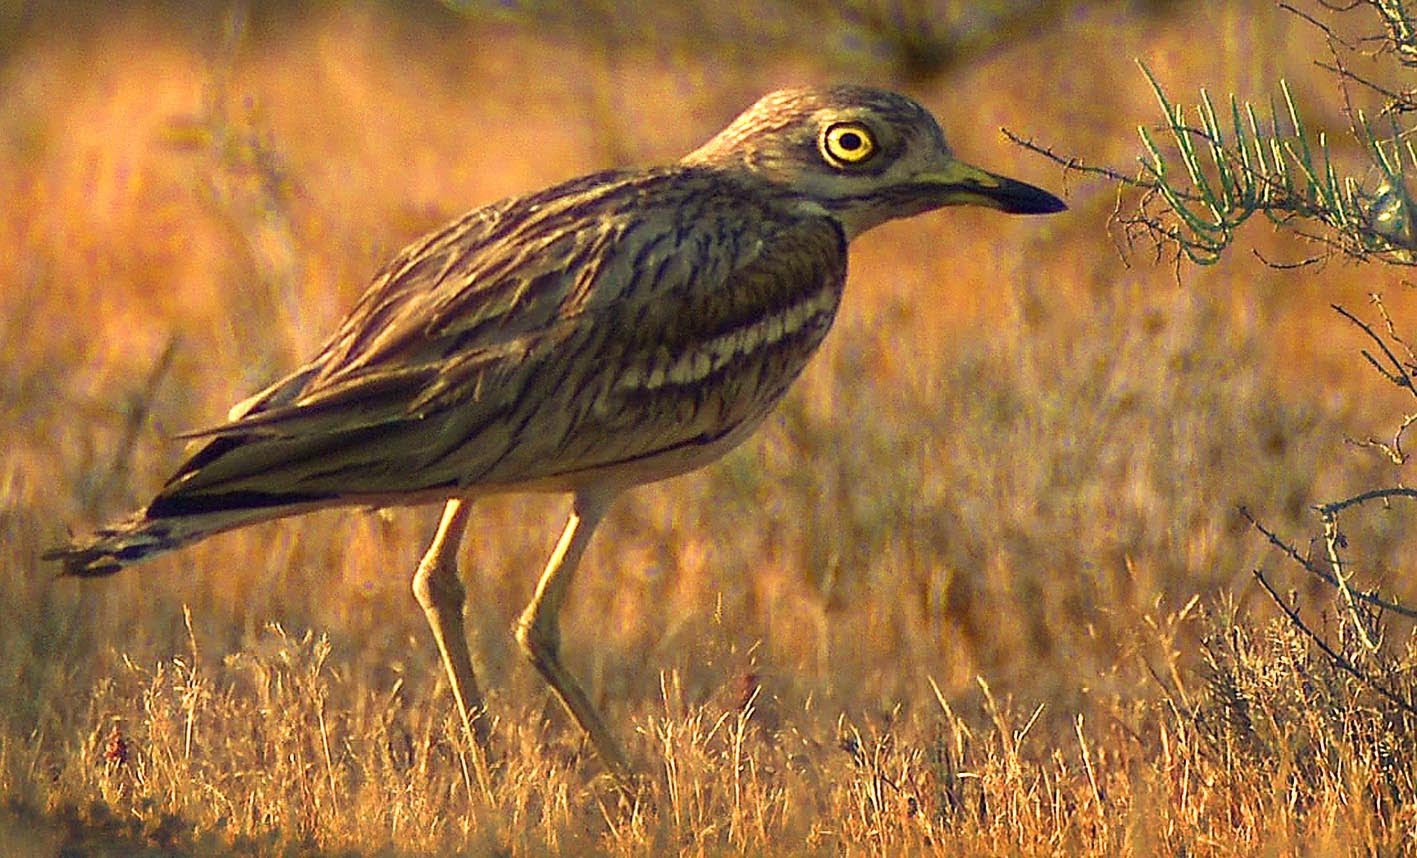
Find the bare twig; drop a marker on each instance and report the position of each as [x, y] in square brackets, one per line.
[1400, 374]
[1392, 450]
[1077, 165]
[1334, 507]
[1334, 542]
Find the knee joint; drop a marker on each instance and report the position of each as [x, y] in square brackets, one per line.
[437, 585]
[537, 642]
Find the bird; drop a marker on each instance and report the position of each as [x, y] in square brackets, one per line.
[613, 330]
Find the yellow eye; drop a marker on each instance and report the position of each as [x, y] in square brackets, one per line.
[847, 143]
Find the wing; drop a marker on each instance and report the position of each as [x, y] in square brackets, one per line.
[471, 263]
[615, 319]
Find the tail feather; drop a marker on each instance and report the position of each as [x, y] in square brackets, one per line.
[144, 535]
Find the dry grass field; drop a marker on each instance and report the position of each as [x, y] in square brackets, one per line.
[980, 587]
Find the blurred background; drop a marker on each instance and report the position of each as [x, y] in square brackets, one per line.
[1019, 457]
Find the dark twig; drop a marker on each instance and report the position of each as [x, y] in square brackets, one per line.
[1400, 374]
[1334, 507]
[1325, 28]
[1077, 165]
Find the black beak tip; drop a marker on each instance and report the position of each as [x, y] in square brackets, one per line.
[1023, 198]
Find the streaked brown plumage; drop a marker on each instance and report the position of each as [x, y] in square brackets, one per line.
[610, 331]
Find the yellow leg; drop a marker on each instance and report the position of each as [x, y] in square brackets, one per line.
[439, 590]
[539, 630]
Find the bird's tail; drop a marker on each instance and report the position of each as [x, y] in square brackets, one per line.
[145, 535]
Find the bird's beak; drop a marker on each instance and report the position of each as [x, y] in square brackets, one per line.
[959, 184]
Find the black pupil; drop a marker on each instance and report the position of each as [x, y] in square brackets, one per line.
[849, 141]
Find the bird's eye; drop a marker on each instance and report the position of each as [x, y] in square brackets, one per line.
[847, 143]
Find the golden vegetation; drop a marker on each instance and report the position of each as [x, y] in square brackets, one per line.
[981, 587]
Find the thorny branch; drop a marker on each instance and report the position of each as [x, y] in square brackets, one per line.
[1372, 597]
[1334, 542]
[1397, 370]
[1329, 652]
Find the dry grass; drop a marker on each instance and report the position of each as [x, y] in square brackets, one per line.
[981, 586]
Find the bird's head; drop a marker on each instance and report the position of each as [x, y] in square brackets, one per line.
[865, 155]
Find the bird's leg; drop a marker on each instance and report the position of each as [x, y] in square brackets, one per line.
[539, 630]
[439, 590]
